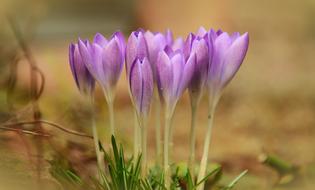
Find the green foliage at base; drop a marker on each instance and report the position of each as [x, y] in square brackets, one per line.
[125, 174]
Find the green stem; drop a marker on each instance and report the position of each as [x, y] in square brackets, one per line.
[99, 157]
[136, 142]
[97, 147]
[144, 148]
[191, 162]
[109, 96]
[204, 159]
[167, 137]
[158, 130]
[111, 117]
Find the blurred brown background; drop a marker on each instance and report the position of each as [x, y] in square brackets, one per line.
[268, 108]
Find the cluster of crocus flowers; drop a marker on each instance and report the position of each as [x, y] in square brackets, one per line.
[204, 64]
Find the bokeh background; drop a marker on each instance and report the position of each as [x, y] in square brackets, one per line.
[269, 108]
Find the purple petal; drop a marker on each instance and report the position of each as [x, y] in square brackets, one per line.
[121, 39]
[200, 48]
[72, 65]
[131, 50]
[97, 66]
[165, 76]
[148, 86]
[169, 51]
[112, 62]
[212, 35]
[223, 41]
[136, 48]
[82, 76]
[142, 49]
[178, 44]
[135, 82]
[234, 58]
[100, 40]
[219, 32]
[177, 64]
[188, 44]
[234, 36]
[169, 37]
[201, 32]
[221, 44]
[188, 72]
[155, 44]
[148, 35]
[87, 57]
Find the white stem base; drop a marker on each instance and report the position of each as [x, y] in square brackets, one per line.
[204, 159]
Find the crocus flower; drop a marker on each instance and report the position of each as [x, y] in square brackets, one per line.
[227, 54]
[104, 59]
[197, 45]
[83, 79]
[85, 83]
[141, 85]
[136, 48]
[174, 75]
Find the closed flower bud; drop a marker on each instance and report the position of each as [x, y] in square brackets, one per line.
[197, 45]
[227, 54]
[83, 79]
[141, 86]
[104, 59]
[174, 75]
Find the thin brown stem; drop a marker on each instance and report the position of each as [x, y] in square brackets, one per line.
[24, 131]
[49, 123]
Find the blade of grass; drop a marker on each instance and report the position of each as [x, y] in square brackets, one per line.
[235, 181]
[207, 176]
[190, 181]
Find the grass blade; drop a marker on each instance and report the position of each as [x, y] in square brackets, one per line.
[235, 181]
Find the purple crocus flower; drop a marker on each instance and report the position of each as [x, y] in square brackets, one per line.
[141, 86]
[174, 75]
[104, 59]
[83, 79]
[227, 53]
[136, 48]
[197, 45]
